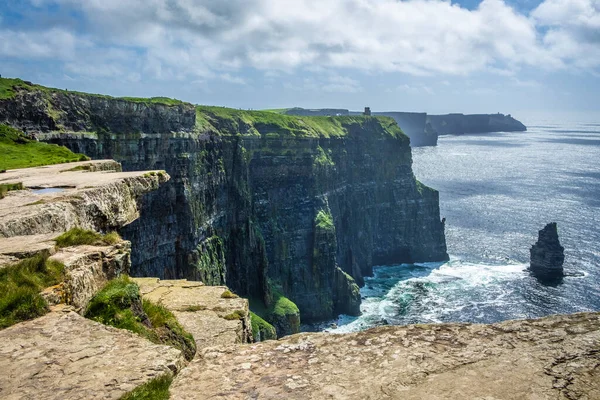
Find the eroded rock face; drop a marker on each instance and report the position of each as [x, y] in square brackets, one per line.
[240, 209]
[101, 198]
[65, 356]
[551, 358]
[547, 256]
[87, 270]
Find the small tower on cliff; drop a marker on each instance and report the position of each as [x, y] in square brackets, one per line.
[367, 111]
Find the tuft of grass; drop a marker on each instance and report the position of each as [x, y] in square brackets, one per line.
[194, 308]
[156, 389]
[229, 295]
[324, 220]
[237, 314]
[261, 329]
[120, 304]
[7, 187]
[79, 237]
[20, 152]
[20, 287]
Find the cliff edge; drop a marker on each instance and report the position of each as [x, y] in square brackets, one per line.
[248, 193]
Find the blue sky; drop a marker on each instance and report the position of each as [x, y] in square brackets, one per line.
[437, 56]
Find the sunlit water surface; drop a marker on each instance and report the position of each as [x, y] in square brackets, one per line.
[496, 191]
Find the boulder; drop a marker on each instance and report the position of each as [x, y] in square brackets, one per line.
[547, 256]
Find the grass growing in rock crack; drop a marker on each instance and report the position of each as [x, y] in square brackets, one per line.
[20, 287]
[156, 389]
[120, 304]
[79, 237]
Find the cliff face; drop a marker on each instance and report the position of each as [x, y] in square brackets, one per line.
[416, 127]
[458, 124]
[247, 189]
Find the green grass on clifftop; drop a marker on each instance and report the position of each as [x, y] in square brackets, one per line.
[78, 237]
[9, 87]
[19, 152]
[229, 121]
[20, 287]
[120, 304]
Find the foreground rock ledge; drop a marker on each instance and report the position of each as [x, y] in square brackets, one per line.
[551, 358]
[65, 356]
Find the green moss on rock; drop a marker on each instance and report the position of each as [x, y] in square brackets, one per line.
[261, 329]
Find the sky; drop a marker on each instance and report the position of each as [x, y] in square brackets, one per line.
[510, 56]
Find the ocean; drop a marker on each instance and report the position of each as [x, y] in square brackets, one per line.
[496, 192]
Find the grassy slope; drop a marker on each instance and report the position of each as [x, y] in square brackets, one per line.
[230, 121]
[20, 152]
[8, 85]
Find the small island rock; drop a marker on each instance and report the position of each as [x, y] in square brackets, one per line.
[547, 256]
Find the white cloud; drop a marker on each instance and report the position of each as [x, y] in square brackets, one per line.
[202, 39]
[573, 30]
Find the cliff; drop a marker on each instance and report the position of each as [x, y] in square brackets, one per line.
[416, 127]
[246, 190]
[458, 124]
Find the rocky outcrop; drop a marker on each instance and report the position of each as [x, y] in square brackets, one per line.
[246, 189]
[211, 314]
[458, 124]
[87, 270]
[547, 256]
[92, 195]
[416, 127]
[65, 356]
[63, 196]
[551, 358]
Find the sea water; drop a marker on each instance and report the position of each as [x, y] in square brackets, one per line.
[496, 191]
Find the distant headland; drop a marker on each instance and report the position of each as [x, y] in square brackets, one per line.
[424, 129]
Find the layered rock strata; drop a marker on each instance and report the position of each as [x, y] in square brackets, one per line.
[246, 189]
[551, 358]
[547, 256]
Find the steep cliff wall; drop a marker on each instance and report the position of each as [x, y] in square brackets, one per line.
[458, 124]
[415, 125]
[246, 192]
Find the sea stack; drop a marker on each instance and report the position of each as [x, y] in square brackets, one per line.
[547, 256]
